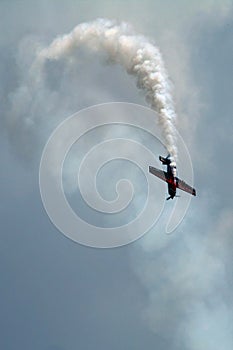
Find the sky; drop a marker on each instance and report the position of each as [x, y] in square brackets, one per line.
[162, 291]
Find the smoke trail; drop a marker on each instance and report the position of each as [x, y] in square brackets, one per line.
[135, 53]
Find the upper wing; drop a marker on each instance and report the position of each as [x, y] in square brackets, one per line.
[185, 187]
[159, 173]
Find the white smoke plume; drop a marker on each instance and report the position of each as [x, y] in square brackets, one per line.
[134, 52]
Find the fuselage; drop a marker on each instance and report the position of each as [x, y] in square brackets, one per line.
[170, 176]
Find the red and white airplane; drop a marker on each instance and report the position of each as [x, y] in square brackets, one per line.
[170, 177]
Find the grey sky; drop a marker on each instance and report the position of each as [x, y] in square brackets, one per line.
[162, 291]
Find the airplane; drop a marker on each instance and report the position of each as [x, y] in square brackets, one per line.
[171, 179]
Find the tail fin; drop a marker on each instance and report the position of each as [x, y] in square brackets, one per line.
[165, 160]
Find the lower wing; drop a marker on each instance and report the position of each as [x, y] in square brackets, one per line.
[185, 187]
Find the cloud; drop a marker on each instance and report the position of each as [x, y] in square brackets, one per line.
[187, 284]
[186, 275]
